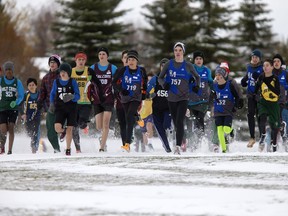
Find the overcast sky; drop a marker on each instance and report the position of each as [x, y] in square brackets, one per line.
[278, 11]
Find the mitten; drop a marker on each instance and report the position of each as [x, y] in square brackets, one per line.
[13, 104]
[68, 97]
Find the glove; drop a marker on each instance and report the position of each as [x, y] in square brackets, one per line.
[125, 92]
[39, 105]
[195, 89]
[13, 104]
[192, 80]
[255, 75]
[166, 86]
[143, 96]
[213, 94]
[68, 97]
[51, 108]
[244, 82]
[240, 103]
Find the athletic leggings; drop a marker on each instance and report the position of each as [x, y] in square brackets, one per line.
[130, 109]
[178, 111]
[122, 123]
[162, 122]
[252, 111]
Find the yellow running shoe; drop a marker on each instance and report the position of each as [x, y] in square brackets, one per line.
[126, 147]
[141, 123]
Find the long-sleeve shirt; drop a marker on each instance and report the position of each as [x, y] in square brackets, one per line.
[268, 87]
[64, 83]
[182, 86]
[117, 83]
[46, 87]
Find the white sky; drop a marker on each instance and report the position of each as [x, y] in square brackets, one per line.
[278, 11]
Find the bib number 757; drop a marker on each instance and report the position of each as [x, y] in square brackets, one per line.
[175, 81]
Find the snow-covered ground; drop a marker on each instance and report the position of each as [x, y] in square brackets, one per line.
[242, 182]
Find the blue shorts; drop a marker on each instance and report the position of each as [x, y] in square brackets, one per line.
[146, 120]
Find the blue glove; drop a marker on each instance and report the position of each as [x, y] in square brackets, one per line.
[13, 104]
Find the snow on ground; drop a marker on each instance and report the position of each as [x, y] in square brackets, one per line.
[242, 182]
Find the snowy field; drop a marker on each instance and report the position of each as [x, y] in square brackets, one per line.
[242, 182]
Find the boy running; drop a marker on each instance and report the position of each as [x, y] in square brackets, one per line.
[63, 102]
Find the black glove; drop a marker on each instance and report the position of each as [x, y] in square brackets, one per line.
[143, 96]
[244, 82]
[125, 92]
[213, 94]
[51, 108]
[166, 86]
[39, 105]
[68, 97]
[192, 80]
[195, 89]
[255, 75]
[240, 103]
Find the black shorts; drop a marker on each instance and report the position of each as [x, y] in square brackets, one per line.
[99, 108]
[223, 121]
[67, 113]
[8, 116]
[84, 111]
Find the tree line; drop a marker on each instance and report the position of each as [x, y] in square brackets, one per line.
[221, 30]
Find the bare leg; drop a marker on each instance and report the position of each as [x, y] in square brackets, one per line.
[105, 128]
[11, 135]
[69, 136]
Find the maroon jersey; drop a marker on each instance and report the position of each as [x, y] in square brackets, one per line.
[105, 77]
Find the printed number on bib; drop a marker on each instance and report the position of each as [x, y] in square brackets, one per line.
[175, 81]
[131, 87]
[221, 102]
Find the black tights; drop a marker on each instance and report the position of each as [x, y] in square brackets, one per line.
[130, 109]
[178, 111]
[252, 112]
[122, 123]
